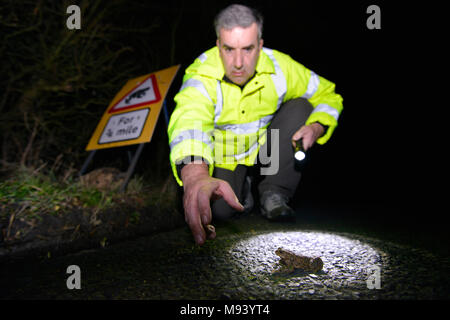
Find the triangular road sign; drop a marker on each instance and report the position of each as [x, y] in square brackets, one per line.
[146, 92]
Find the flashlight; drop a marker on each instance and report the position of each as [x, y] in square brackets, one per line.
[299, 152]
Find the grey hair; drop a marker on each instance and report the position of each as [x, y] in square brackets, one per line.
[237, 15]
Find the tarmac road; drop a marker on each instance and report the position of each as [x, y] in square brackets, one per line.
[359, 263]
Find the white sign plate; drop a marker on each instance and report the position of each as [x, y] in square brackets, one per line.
[124, 126]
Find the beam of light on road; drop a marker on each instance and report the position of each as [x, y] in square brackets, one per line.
[346, 261]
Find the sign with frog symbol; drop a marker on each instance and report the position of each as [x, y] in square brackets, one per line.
[132, 115]
[146, 92]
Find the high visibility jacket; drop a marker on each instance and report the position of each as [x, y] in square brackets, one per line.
[225, 125]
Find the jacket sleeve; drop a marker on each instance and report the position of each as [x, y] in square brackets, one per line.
[191, 124]
[302, 82]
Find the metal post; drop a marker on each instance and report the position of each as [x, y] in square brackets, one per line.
[130, 157]
[131, 167]
[86, 162]
[166, 113]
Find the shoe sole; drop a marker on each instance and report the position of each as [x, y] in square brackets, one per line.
[279, 218]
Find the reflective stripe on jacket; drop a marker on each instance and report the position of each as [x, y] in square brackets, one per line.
[224, 124]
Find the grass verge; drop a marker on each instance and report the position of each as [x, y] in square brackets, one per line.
[30, 199]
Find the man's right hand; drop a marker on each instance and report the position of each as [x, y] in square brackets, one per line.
[199, 189]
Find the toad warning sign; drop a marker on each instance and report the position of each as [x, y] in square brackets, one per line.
[132, 115]
[145, 93]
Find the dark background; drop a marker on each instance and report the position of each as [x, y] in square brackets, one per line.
[383, 156]
[384, 160]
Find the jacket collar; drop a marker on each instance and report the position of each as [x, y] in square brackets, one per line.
[265, 64]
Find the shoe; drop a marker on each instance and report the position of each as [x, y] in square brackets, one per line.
[274, 207]
[248, 197]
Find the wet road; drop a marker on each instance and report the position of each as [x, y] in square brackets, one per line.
[240, 264]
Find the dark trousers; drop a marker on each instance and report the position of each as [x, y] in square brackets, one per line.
[288, 119]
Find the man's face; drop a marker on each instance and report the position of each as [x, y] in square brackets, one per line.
[239, 50]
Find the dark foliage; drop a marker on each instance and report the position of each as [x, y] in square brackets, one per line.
[56, 82]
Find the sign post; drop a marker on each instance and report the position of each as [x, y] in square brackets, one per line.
[132, 115]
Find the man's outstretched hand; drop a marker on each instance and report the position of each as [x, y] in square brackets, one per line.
[199, 190]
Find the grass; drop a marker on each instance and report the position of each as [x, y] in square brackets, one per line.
[44, 194]
[31, 194]
[37, 204]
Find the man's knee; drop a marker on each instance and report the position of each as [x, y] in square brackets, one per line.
[299, 104]
[221, 210]
[292, 114]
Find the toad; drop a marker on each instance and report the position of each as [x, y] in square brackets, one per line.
[291, 261]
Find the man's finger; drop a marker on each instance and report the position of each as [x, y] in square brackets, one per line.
[299, 134]
[204, 207]
[198, 232]
[229, 196]
[195, 224]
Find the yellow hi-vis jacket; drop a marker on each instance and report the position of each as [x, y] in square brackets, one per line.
[216, 120]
